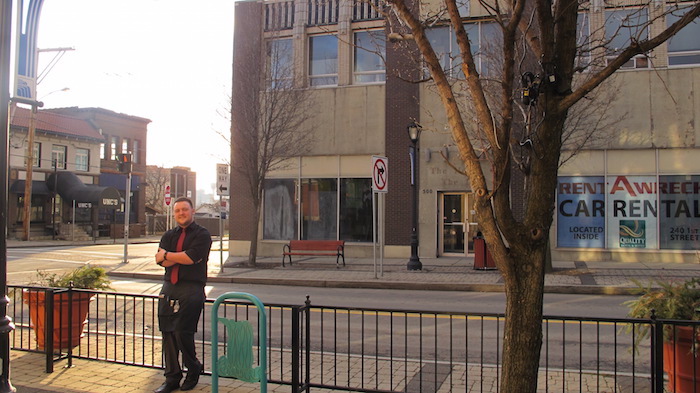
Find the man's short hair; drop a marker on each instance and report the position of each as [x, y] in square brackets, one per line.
[184, 199]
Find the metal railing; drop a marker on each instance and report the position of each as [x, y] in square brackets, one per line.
[375, 350]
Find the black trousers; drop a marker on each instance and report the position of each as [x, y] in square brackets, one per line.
[180, 342]
[179, 308]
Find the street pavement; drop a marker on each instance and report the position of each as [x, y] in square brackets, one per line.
[449, 274]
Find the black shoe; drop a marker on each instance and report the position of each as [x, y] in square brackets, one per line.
[167, 387]
[190, 383]
[192, 377]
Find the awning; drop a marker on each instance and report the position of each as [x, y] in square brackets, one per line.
[71, 188]
[38, 187]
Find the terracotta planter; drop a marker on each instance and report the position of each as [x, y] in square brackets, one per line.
[62, 321]
[679, 360]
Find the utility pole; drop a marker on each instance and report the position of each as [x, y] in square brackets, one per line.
[27, 213]
[53, 204]
[26, 216]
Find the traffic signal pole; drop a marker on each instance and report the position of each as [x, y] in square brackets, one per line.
[124, 166]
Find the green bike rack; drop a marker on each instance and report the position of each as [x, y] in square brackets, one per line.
[238, 362]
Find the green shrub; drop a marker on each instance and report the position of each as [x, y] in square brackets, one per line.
[84, 277]
[671, 300]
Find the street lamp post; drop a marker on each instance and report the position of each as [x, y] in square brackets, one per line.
[414, 130]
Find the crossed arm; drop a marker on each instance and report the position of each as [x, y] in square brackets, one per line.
[173, 258]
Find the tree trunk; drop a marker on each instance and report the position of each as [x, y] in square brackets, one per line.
[548, 267]
[253, 253]
[522, 339]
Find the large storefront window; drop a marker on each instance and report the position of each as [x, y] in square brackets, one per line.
[581, 212]
[679, 212]
[624, 212]
[319, 204]
[356, 210]
[326, 214]
[280, 210]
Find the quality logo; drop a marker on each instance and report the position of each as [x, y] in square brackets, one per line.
[633, 234]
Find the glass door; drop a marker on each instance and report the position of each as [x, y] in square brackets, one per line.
[457, 228]
[453, 224]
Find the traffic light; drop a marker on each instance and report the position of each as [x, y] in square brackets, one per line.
[124, 162]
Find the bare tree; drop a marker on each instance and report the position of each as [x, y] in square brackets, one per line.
[270, 123]
[512, 106]
[157, 178]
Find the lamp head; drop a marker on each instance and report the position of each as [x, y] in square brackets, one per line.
[414, 130]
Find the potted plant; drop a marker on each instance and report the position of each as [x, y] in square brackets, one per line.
[70, 308]
[679, 301]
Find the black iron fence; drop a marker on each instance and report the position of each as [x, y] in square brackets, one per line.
[357, 349]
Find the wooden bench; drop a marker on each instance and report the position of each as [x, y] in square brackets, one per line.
[315, 248]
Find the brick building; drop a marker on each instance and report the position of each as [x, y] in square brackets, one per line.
[122, 134]
[65, 176]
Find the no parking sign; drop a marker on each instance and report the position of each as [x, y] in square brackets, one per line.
[380, 174]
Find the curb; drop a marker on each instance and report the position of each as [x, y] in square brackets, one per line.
[560, 289]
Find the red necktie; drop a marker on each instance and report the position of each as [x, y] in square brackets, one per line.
[176, 268]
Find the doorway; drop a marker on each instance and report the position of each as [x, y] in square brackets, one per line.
[456, 229]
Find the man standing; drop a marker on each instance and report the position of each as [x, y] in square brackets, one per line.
[183, 252]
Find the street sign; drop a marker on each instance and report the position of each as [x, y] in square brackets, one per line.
[222, 180]
[380, 174]
[167, 196]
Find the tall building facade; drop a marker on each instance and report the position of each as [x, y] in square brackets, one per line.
[181, 180]
[632, 194]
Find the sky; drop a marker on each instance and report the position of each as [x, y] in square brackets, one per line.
[165, 60]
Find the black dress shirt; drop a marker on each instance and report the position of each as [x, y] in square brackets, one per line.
[197, 246]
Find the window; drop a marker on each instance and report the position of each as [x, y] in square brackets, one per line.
[136, 151]
[356, 210]
[684, 47]
[439, 38]
[323, 60]
[113, 142]
[102, 151]
[463, 8]
[583, 38]
[58, 156]
[280, 213]
[36, 214]
[370, 51]
[82, 160]
[489, 50]
[623, 26]
[319, 202]
[125, 145]
[485, 39]
[280, 62]
[36, 155]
